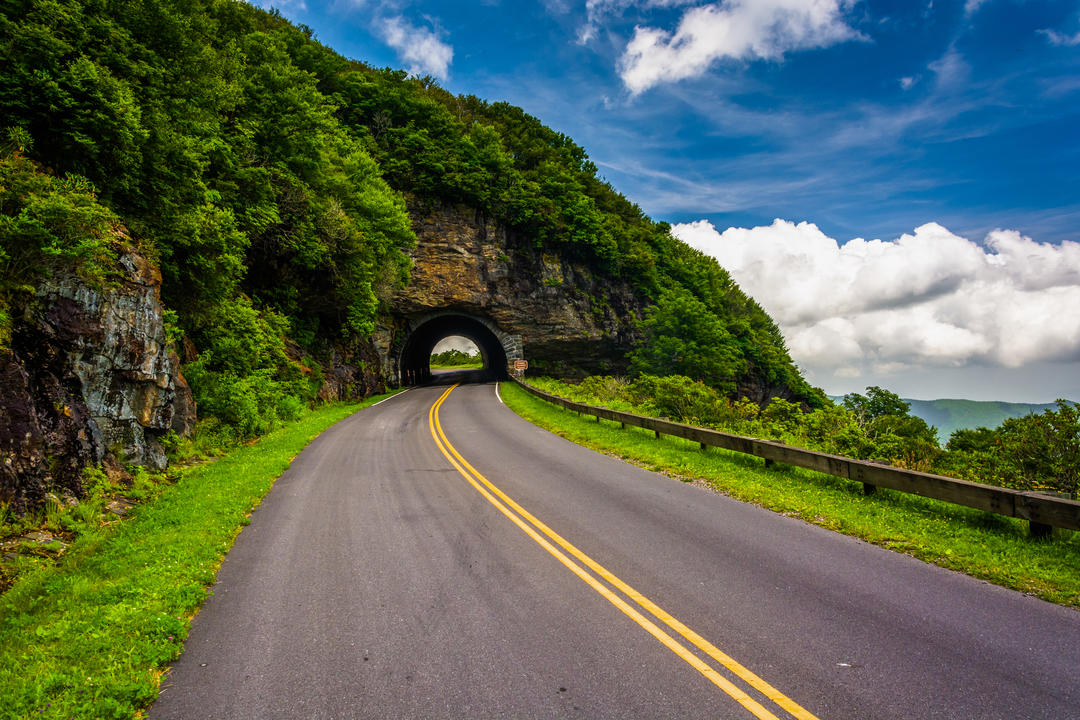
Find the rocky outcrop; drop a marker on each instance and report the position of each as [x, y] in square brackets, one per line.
[88, 377]
[570, 321]
[351, 373]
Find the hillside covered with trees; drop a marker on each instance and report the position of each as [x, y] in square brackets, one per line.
[267, 175]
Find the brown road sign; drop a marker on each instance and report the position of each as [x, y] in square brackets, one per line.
[521, 365]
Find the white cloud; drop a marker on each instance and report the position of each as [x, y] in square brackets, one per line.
[951, 69]
[735, 29]
[928, 300]
[1057, 38]
[971, 6]
[420, 47]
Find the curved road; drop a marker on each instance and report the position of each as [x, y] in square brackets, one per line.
[495, 570]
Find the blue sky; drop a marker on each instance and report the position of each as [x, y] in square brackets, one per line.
[846, 119]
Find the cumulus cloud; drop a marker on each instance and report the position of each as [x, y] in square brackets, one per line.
[735, 29]
[420, 47]
[931, 299]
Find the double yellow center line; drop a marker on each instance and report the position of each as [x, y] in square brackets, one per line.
[549, 539]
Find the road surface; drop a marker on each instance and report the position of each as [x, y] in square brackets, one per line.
[436, 556]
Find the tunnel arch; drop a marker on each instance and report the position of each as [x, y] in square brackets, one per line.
[497, 348]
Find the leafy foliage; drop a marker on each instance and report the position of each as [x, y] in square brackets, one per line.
[1034, 452]
[890, 427]
[48, 224]
[683, 338]
[200, 128]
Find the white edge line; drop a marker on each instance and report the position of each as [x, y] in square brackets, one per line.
[497, 393]
[391, 397]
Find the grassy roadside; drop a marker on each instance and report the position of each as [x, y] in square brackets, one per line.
[986, 546]
[89, 638]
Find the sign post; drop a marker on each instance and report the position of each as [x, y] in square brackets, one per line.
[520, 366]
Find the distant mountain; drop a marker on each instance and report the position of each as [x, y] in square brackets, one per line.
[951, 415]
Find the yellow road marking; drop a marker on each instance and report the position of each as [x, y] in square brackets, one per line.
[486, 488]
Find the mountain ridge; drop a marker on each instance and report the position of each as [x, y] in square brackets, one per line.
[948, 415]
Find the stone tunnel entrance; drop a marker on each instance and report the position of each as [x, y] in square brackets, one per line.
[497, 348]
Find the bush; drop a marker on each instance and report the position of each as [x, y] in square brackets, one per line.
[679, 398]
[682, 337]
[48, 225]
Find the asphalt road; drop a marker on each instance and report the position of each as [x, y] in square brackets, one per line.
[378, 580]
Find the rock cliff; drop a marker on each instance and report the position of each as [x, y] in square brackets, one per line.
[89, 377]
[570, 321]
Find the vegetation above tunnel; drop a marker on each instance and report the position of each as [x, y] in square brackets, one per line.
[268, 175]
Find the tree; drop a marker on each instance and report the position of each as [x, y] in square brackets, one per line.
[683, 337]
[48, 225]
[1042, 451]
[891, 431]
[876, 403]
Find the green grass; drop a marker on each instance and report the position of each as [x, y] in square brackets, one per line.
[460, 366]
[991, 547]
[90, 636]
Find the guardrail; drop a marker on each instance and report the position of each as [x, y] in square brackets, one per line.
[1042, 512]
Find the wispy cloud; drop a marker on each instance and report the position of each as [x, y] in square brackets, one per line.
[596, 11]
[420, 47]
[737, 30]
[1057, 38]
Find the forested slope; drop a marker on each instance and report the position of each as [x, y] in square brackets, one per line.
[268, 175]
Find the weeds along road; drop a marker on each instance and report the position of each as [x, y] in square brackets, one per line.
[436, 556]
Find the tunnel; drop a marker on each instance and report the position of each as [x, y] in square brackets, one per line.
[416, 353]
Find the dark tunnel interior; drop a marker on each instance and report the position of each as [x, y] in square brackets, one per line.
[415, 356]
